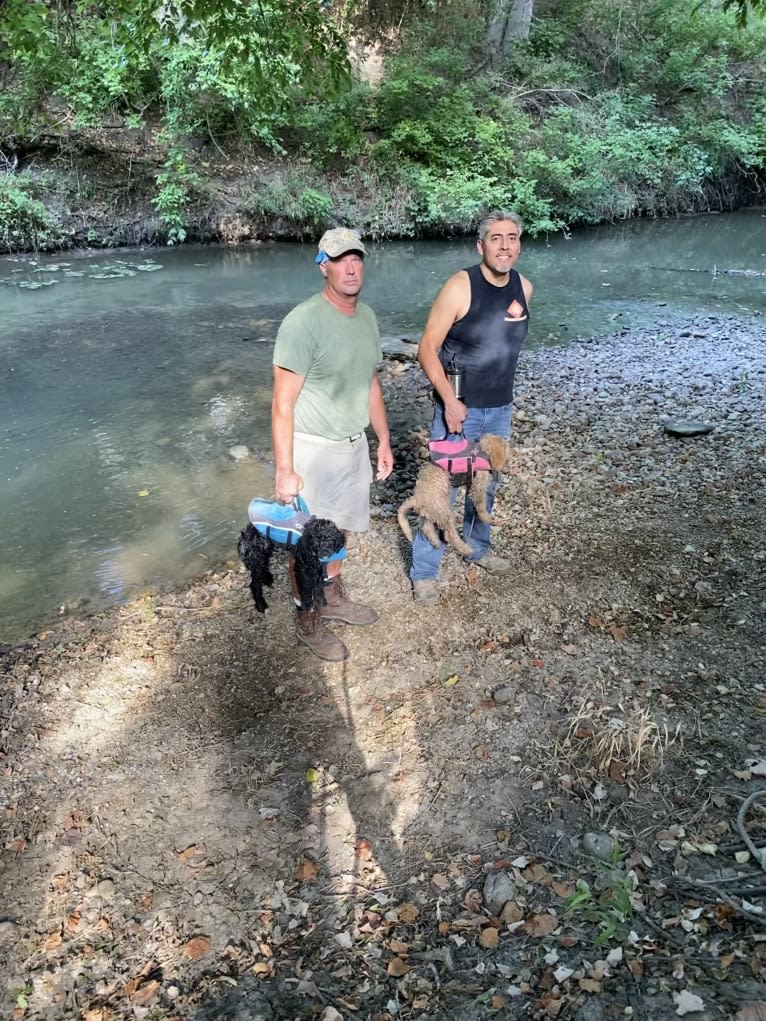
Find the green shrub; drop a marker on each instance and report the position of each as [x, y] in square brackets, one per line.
[176, 184]
[291, 198]
[24, 221]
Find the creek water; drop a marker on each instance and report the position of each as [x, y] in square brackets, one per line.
[126, 379]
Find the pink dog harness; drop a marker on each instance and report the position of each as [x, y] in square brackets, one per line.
[458, 457]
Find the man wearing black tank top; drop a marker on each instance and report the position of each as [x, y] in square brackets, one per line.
[478, 322]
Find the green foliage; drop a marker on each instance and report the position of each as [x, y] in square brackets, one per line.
[608, 906]
[607, 110]
[332, 131]
[24, 220]
[221, 66]
[291, 198]
[176, 183]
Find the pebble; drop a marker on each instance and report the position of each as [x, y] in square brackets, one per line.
[239, 453]
[499, 888]
[503, 695]
[103, 889]
[598, 845]
[683, 427]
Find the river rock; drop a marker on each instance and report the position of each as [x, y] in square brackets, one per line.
[598, 845]
[240, 453]
[499, 888]
[503, 695]
[684, 427]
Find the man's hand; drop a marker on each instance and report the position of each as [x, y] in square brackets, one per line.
[385, 462]
[454, 413]
[287, 485]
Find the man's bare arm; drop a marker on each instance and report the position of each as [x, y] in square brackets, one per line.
[379, 423]
[287, 386]
[451, 304]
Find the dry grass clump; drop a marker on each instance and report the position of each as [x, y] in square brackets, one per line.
[613, 742]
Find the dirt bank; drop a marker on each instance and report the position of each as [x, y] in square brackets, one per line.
[202, 821]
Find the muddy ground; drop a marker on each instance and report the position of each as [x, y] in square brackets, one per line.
[521, 802]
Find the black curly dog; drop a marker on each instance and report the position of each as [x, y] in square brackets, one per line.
[320, 538]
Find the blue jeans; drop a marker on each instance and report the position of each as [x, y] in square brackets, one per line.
[478, 422]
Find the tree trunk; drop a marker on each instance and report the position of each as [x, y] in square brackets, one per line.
[510, 20]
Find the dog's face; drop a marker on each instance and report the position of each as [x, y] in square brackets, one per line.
[498, 451]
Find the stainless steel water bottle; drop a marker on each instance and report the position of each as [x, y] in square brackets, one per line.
[456, 378]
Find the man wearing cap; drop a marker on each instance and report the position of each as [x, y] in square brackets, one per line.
[326, 392]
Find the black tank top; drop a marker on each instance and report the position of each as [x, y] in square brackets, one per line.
[486, 342]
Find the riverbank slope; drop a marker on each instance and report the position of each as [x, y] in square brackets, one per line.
[202, 821]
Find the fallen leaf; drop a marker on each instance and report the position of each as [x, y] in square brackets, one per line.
[451, 681]
[512, 912]
[496, 1003]
[752, 1012]
[473, 900]
[537, 874]
[562, 890]
[590, 985]
[396, 946]
[52, 942]
[197, 947]
[488, 937]
[540, 925]
[408, 913]
[192, 851]
[440, 881]
[687, 1003]
[145, 993]
[397, 967]
[698, 847]
[330, 1014]
[307, 871]
[261, 968]
[312, 775]
[618, 633]
[363, 849]
[73, 921]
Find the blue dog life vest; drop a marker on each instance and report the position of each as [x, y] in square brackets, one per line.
[283, 523]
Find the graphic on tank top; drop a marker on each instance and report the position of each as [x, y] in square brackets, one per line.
[515, 312]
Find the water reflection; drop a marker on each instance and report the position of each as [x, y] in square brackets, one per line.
[126, 381]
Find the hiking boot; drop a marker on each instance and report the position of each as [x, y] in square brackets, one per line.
[310, 630]
[340, 607]
[492, 564]
[425, 590]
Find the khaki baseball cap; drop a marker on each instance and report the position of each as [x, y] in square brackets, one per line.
[339, 240]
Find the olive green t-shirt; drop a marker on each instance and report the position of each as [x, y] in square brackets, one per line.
[336, 354]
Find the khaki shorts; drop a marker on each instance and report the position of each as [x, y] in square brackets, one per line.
[336, 478]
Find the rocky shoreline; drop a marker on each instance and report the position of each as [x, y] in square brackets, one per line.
[522, 801]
